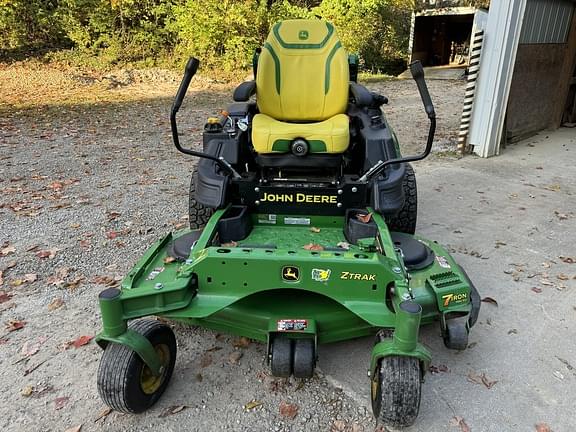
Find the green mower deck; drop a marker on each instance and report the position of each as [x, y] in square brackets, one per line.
[271, 285]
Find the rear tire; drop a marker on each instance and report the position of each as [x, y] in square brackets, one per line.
[396, 390]
[124, 381]
[405, 220]
[198, 214]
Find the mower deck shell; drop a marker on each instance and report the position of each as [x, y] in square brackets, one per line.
[250, 290]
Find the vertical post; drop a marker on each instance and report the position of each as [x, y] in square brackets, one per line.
[475, 53]
[111, 309]
[495, 77]
[407, 327]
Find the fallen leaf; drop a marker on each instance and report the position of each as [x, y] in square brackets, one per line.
[561, 216]
[174, 409]
[252, 404]
[56, 185]
[30, 277]
[57, 281]
[10, 265]
[490, 300]
[288, 410]
[60, 402]
[459, 421]
[108, 281]
[338, 426]
[55, 304]
[313, 247]
[364, 218]
[235, 357]
[48, 253]
[81, 341]
[243, 342]
[543, 427]
[438, 369]
[205, 360]
[4, 296]
[74, 428]
[481, 379]
[537, 290]
[1, 278]
[568, 260]
[230, 244]
[344, 245]
[7, 250]
[27, 391]
[14, 325]
[113, 215]
[563, 277]
[315, 230]
[29, 348]
[111, 235]
[546, 282]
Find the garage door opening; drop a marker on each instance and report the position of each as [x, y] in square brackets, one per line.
[443, 39]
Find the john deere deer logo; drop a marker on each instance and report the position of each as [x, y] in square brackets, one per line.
[291, 274]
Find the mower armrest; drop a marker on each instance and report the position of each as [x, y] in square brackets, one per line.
[244, 91]
[361, 94]
[365, 98]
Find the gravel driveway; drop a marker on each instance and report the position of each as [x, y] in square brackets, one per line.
[88, 180]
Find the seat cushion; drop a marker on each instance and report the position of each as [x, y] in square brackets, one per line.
[273, 136]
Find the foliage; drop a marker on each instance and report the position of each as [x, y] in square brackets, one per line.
[222, 33]
[378, 30]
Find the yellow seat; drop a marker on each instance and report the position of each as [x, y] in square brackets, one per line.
[329, 136]
[302, 89]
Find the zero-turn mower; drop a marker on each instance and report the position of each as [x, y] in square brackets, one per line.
[302, 221]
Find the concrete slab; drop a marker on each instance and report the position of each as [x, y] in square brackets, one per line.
[508, 220]
[447, 72]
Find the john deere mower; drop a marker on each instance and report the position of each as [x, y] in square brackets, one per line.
[302, 220]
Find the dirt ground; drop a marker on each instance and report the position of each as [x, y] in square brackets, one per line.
[88, 180]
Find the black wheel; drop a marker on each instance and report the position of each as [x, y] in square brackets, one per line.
[304, 358]
[125, 383]
[456, 335]
[282, 358]
[405, 220]
[198, 215]
[395, 390]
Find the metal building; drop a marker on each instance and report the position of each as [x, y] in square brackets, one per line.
[527, 80]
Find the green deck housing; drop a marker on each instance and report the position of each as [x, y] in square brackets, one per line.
[242, 290]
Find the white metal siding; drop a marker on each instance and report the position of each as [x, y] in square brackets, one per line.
[547, 21]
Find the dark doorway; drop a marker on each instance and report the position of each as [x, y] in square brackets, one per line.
[442, 39]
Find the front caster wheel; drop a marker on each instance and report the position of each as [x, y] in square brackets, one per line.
[282, 359]
[304, 358]
[395, 390]
[456, 336]
[125, 383]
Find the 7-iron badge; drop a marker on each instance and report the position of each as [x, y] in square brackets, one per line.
[291, 273]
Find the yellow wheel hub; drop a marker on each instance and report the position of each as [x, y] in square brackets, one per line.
[149, 382]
